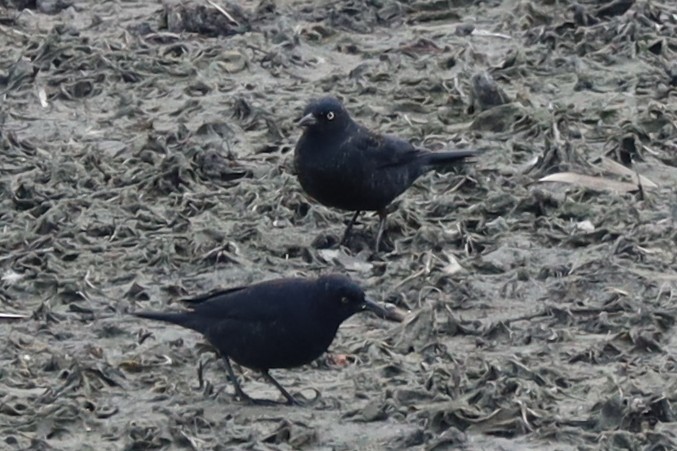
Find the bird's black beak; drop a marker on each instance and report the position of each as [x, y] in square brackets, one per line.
[382, 312]
[307, 120]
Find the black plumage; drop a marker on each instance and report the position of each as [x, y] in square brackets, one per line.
[281, 323]
[342, 164]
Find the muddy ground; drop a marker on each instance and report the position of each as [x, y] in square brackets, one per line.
[145, 154]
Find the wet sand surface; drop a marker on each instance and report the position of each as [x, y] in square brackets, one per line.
[146, 156]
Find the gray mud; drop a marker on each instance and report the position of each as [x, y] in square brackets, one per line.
[145, 153]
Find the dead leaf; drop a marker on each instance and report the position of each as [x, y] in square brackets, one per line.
[588, 181]
[616, 168]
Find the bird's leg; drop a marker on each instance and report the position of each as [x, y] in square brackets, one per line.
[238, 390]
[285, 393]
[349, 228]
[245, 397]
[381, 228]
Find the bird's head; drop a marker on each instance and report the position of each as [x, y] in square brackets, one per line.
[343, 298]
[325, 115]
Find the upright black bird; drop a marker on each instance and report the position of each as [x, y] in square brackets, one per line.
[281, 323]
[344, 165]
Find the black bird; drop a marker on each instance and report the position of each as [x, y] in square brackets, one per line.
[342, 164]
[281, 323]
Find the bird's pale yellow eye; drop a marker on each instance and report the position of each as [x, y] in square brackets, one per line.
[330, 115]
[345, 300]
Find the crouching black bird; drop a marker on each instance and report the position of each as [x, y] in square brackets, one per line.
[281, 323]
[342, 164]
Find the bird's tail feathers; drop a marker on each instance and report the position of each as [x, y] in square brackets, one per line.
[450, 157]
[178, 318]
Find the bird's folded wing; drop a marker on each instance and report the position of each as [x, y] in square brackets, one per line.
[263, 302]
[244, 309]
[212, 295]
[385, 150]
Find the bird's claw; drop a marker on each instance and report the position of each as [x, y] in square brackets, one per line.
[262, 402]
[295, 402]
[267, 402]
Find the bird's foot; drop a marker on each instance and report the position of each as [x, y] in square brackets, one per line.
[245, 398]
[268, 402]
[289, 400]
[261, 402]
[295, 402]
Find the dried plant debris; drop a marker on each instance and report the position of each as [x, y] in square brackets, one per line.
[41, 6]
[210, 19]
[145, 155]
[485, 93]
[11, 316]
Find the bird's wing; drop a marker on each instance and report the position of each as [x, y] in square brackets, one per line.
[211, 295]
[385, 150]
[262, 302]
